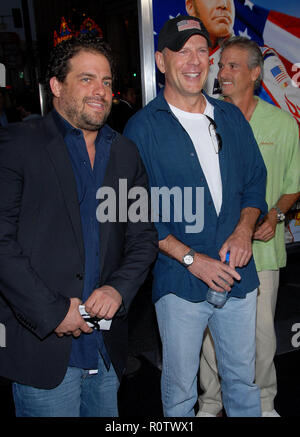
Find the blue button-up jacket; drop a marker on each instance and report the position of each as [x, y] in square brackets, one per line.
[171, 161]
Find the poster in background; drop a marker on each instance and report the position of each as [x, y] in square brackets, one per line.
[292, 230]
[276, 32]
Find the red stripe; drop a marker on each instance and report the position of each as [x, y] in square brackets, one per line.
[212, 51]
[270, 95]
[286, 22]
[281, 76]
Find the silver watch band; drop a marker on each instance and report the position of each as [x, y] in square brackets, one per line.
[280, 214]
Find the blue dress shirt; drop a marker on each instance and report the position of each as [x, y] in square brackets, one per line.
[85, 348]
[171, 161]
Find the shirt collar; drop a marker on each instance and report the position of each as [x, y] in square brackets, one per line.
[65, 127]
[161, 103]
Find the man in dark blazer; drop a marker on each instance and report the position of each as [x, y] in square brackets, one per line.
[55, 255]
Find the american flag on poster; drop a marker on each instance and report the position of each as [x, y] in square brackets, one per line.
[269, 28]
[278, 34]
[279, 73]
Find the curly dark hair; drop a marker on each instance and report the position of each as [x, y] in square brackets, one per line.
[59, 66]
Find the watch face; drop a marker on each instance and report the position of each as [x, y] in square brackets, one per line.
[280, 215]
[188, 259]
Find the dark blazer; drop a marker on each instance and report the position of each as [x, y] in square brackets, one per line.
[42, 252]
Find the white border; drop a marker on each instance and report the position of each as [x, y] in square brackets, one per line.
[147, 50]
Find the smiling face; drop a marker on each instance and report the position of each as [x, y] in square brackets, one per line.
[235, 76]
[217, 16]
[185, 71]
[84, 98]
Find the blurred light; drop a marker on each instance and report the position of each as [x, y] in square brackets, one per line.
[21, 74]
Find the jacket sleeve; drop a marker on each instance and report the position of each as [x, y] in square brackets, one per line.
[37, 307]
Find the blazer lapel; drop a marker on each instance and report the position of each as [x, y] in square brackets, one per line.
[59, 156]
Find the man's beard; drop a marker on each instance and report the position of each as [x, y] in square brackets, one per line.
[85, 120]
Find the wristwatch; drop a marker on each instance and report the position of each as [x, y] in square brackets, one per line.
[188, 258]
[280, 214]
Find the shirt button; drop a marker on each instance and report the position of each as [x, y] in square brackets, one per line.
[192, 154]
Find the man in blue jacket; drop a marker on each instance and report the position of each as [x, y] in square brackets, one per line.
[188, 141]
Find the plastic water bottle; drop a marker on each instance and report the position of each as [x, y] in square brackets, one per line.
[218, 298]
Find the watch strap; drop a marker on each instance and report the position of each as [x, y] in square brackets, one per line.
[280, 214]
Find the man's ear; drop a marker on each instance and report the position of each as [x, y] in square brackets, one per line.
[55, 86]
[189, 6]
[160, 63]
[255, 72]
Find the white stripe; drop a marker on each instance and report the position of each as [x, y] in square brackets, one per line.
[282, 41]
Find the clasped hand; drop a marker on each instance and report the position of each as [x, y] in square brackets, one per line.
[103, 303]
[266, 229]
[218, 275]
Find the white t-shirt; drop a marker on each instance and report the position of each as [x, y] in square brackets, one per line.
[197, 126]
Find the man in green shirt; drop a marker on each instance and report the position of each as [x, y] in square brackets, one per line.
[276, 132]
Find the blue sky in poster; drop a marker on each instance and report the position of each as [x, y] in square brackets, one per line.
[291, 7]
